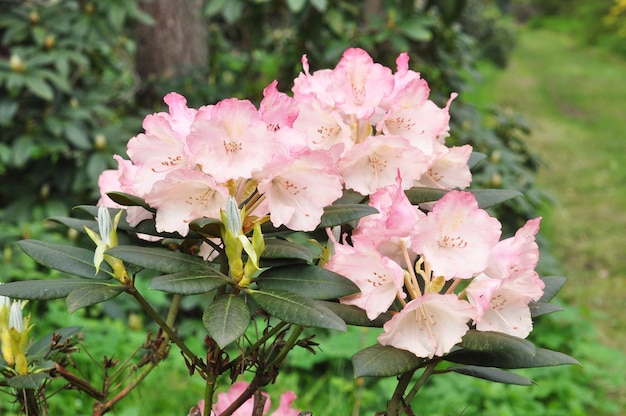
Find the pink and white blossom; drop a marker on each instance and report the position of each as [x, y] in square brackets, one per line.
[298, 187]
[183, 196]
[379, 278]
[358, 85]
[517, 254]
[429, 325]
[456, 237]
[233, 144]
[375, 162]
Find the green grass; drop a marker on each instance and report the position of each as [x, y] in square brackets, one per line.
[574, 98]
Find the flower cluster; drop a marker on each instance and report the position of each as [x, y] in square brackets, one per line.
[430, 256]
[352, 127]
[359, 127]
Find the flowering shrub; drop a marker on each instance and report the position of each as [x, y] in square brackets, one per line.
[339, 205]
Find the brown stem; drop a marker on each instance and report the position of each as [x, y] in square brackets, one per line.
[80, 383]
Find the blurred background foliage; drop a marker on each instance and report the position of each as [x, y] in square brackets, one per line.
[74, 86]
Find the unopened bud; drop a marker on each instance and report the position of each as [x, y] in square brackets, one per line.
[16, 64]
[49, 41]
[33, 17]
[100, 141]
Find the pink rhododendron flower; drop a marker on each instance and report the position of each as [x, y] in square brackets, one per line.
[297, 188]
[314, 86]
[449, 169]
[358, 84]
[375, 162]
[456, 237]
[516, 254]
[391, 227]
[233, 144]
[183, 196]
[324, 129]
[224, 400]
[429, 325]
[277, 109]
[502, 304]
[379, 278]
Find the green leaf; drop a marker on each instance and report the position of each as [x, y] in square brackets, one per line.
[384, 361]
[511, 359]
[356, 316]
[295, 5]
[489, 197]
[343, 214]
[75, 223]
[206, 226]
[416, 28]
[553, 285]
[541, 308]
[316, 282]
[495, 341]
[475, 158]
[43, 289]
[159, 259]
[27, 381]
[43, 346]
[485, 197]
[39, 87]
[492, 374]
[68, 259]
[226, 319]
[420, 195]
[190, 282]
[76, 135]
[276, 248]
[296, 309]
[129, 200]
[92, 294]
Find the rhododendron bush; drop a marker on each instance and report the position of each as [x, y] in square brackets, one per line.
[339, 204]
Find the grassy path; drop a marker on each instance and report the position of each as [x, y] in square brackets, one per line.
[575, 99]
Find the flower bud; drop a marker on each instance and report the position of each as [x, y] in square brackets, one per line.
[16, 64]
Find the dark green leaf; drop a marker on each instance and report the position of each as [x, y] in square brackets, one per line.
[384, 361]
[129, 200]
[489, 197]
[343, 214]
[43, 289]
[44, 344]
[276, 248]
[540, 308]
[485, 197]
[92, 294]
[510, 359]
[190, 282]
[553, 285]
[420, 195]
[68, 259]
[206, 226]
[76, 135]
[159, 259]
[356, 316]
[492, 374]
[475, 158]
[226, 319]
[76, 223]
[296, 309]
[39, 87]
[316, 282]
[495, 341]
[27, 381]
[416, 28]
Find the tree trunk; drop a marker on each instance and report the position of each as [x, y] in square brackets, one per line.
[177, 41]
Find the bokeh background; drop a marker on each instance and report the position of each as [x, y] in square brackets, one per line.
[542, 87]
